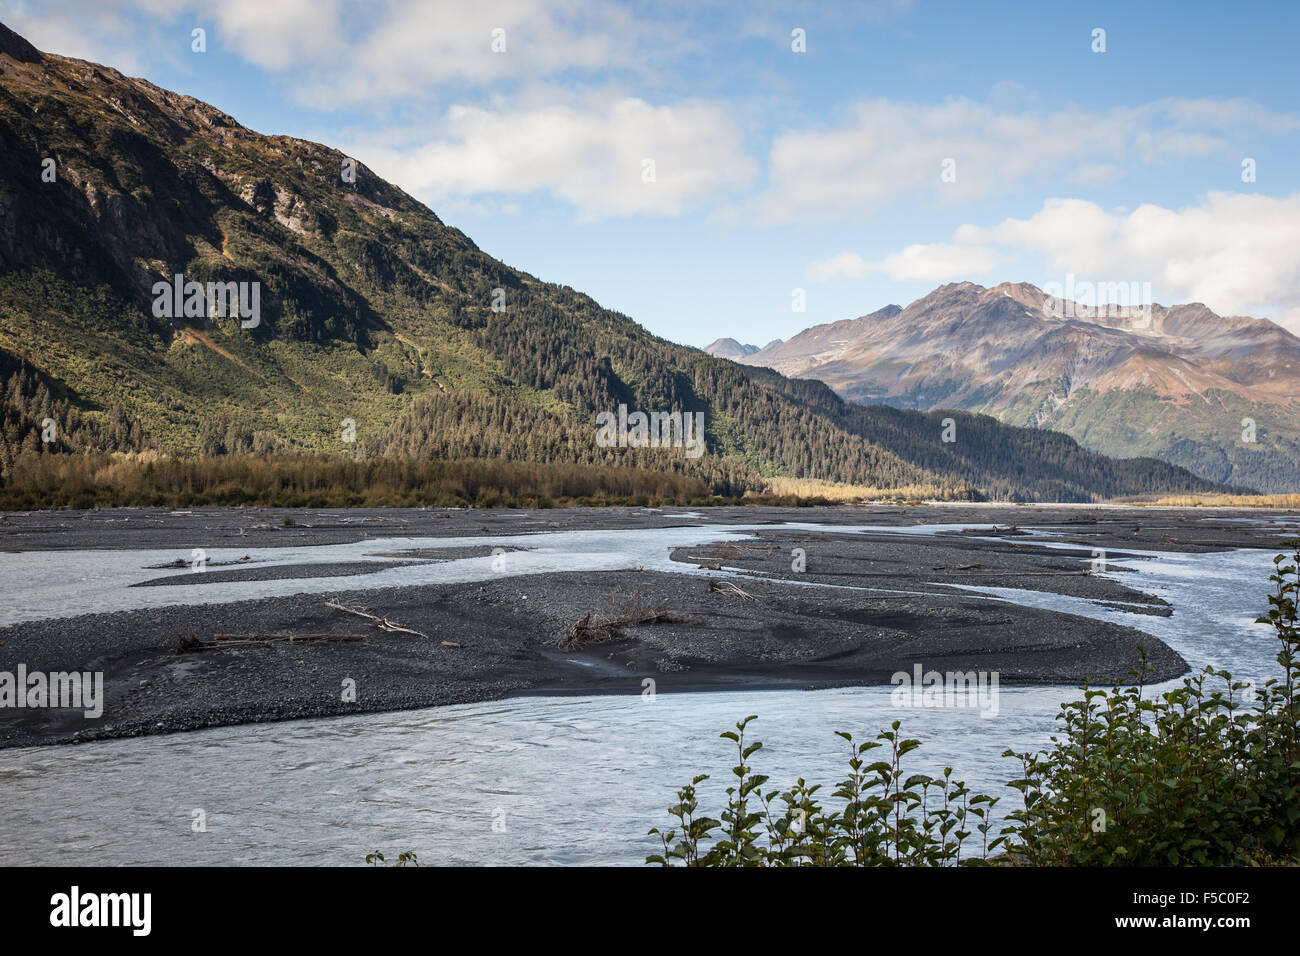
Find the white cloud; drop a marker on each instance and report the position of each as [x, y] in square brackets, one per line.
[102, 32]
[283, 34]
[592, 156]
[418, 45]
[885, 150]
[933, 262]
[1234, 252]
[846, 264]
[341, 52]
[773, 19]
[1226, 114]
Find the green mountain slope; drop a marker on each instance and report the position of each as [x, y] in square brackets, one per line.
[377, 316]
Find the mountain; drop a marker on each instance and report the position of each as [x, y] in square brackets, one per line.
[378, 321]
[1173, 383]
[729, 349]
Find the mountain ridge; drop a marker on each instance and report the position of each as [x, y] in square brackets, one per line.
[380, 318]
[729, 349]
[1173, 382]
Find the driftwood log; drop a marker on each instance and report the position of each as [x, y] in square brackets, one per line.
[380, 623]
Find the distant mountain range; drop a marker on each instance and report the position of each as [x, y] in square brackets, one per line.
[382, 330]
[1175, 383]
[731, 349]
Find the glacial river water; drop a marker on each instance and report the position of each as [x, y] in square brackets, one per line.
[561, 780]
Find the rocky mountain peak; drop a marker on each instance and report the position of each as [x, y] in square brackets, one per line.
[1172, 382]
[730, 349]
[16, 47]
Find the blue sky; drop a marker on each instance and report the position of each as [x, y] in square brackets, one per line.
[775, 170]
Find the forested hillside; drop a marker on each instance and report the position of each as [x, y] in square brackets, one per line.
[382, 331]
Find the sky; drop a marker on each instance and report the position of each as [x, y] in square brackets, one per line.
[750, 169]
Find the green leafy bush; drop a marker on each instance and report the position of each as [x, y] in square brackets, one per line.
[887, 817]
[1204, 775]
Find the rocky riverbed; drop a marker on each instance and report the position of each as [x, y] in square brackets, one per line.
[787, 603]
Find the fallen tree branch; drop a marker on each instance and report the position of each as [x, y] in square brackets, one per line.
[382, 623]
[726, 587]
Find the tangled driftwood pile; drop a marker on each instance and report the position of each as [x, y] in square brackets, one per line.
[587, 631]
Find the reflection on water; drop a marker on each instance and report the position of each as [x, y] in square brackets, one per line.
[544, 780]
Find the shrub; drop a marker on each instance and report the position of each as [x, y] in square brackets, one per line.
[1207, 774]
[886, 818]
